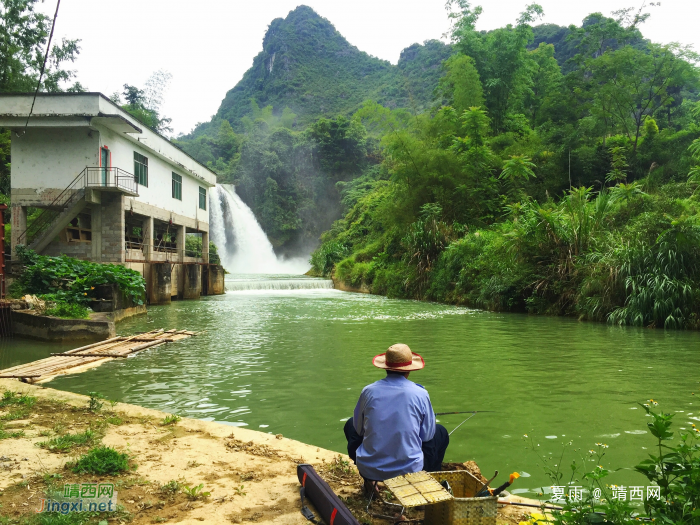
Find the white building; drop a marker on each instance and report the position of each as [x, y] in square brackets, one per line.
[108, 188]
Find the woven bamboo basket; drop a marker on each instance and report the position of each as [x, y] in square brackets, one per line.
[464, 509]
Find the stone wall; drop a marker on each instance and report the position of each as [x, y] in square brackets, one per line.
[79, 250]
[27, 324]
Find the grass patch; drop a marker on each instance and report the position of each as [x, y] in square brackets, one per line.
[14, 415]
[170, 419]
[102, 460]
[68, 441]
[114, 420]
[68, 311]
[6, 435]
[10, 398]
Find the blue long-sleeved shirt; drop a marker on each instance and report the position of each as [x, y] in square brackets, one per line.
[394, 416]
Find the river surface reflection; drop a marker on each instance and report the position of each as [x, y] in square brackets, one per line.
[293, 362]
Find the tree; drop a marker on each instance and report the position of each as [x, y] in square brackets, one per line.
[518, 167]
[631, 85]
[619, 165]
[340, 145]
[23, 37]
[460, 87]
[144, 104]
[500, 56]
[545, 86]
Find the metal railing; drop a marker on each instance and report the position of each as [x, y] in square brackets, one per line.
[96, 177]
[90, 177]
[170, 250]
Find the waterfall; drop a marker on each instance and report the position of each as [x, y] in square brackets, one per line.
[241, 242]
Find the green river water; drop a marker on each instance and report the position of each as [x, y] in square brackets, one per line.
[293, 362]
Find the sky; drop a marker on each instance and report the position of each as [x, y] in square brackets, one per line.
[207, 45]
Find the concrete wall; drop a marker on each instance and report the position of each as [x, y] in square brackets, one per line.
[51, 158]
[79, 250]
[54, 329]
[159, 190]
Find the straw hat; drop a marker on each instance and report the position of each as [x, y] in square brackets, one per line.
[399, 358]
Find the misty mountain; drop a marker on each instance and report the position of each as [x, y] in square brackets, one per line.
[308, 66]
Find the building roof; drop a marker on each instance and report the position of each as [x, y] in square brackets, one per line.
[90, 109]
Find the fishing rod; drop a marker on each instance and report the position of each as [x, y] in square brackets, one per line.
[550, 507]
[462, 423]
[463, 412]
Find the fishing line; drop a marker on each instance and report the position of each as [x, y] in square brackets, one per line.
[462, 423]
[43, 67]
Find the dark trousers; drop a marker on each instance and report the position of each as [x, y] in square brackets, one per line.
[433, 450]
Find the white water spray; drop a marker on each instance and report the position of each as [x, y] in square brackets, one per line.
[241, 242]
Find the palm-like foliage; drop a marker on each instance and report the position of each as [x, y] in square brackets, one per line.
[659, 279]
[518, 167]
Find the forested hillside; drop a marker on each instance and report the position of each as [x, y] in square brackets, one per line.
[550, 170]
[534, 184]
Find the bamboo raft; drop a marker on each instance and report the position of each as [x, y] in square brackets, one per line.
[93, 355]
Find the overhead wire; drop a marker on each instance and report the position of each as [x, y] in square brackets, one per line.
[43, 66]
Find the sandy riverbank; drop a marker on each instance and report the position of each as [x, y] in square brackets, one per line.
[251, 475]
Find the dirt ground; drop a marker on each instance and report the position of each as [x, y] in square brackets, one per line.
[250, 476]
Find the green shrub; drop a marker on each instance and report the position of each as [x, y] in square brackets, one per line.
[170, 419]
[68, 311]
[68, 280]
[674, 468]
[102, 460]
[195, 493]
[326, 256]
[94, 403]
[68, 441]
[193, 247]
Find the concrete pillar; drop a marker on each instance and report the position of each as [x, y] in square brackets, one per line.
[19, 225]
[216, 285]
[160, 289]
[180, 240]
[113, 228]
[147, 236]
[205, 247]
[96, 225]
[192, 288]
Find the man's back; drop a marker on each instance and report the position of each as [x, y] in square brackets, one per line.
[395, 417]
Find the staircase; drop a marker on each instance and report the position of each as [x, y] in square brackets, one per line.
[71, 201]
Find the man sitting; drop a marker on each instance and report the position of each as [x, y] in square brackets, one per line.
[393, 429]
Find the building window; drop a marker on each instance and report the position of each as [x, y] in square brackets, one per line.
[202, 198]
[141, 169]
[177, 186]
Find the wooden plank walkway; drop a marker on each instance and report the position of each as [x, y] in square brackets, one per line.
[90, 356]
